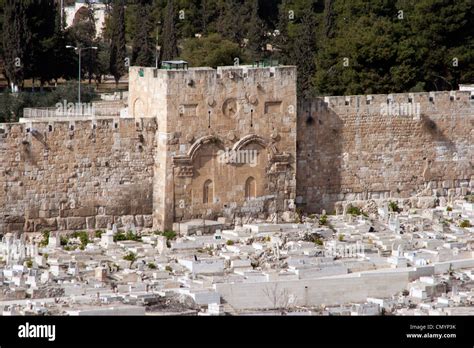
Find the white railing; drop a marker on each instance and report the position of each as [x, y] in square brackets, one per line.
[95, 111]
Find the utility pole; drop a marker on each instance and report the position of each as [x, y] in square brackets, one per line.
[79, 52]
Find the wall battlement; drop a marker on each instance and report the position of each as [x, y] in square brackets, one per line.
[433, 103]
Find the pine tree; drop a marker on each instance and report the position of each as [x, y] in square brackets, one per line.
[169, 40]
[143, 44]
[118, 49]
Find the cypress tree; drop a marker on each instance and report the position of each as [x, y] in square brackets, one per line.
[118, 49]
[143, 45]
[282, 41]
[256, 32]
[329, 18]
[231, 22]
[15, 41]
[169, 47]
[304, 48]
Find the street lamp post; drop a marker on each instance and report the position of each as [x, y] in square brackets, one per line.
[79, 51]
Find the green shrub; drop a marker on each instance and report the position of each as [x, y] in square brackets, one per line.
[29, 263]
[229, 242]
[45, 240]
[318, 241]
[169, 235]
[465, 224]
[98, 233]
[449, 209]
[323, 220]
[63, 240]
[341, 237]
[127, 236]
[132, 257]
[168, 269]
[151, 265]
[393, 206]
[353, 210]
[83, 237]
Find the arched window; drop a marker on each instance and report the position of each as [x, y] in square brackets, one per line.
[250, 188]
[208, 192]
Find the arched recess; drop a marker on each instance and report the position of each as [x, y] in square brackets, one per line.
[138, 108]
[199, 143]
[251, 138]
[208, 192]
[250, 188]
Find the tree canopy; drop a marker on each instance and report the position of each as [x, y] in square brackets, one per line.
[340, 47]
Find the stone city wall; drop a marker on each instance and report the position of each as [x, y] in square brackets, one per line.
[163, 164]
[356, 148]
[76, 175]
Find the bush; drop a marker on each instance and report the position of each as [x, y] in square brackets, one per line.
[98, 233]
[393, 206]
[323, 220]
[131, 236]
[449, 209]
[45, 240]
[63, 241]
[353, 210]
[341, 238]
[29, 263]
[151, 265]
[132, 257]
[127, 236]
[168, 269]
[229, 242]
[318, 241]
[169, 235]
[465, 224]
[83, 237]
